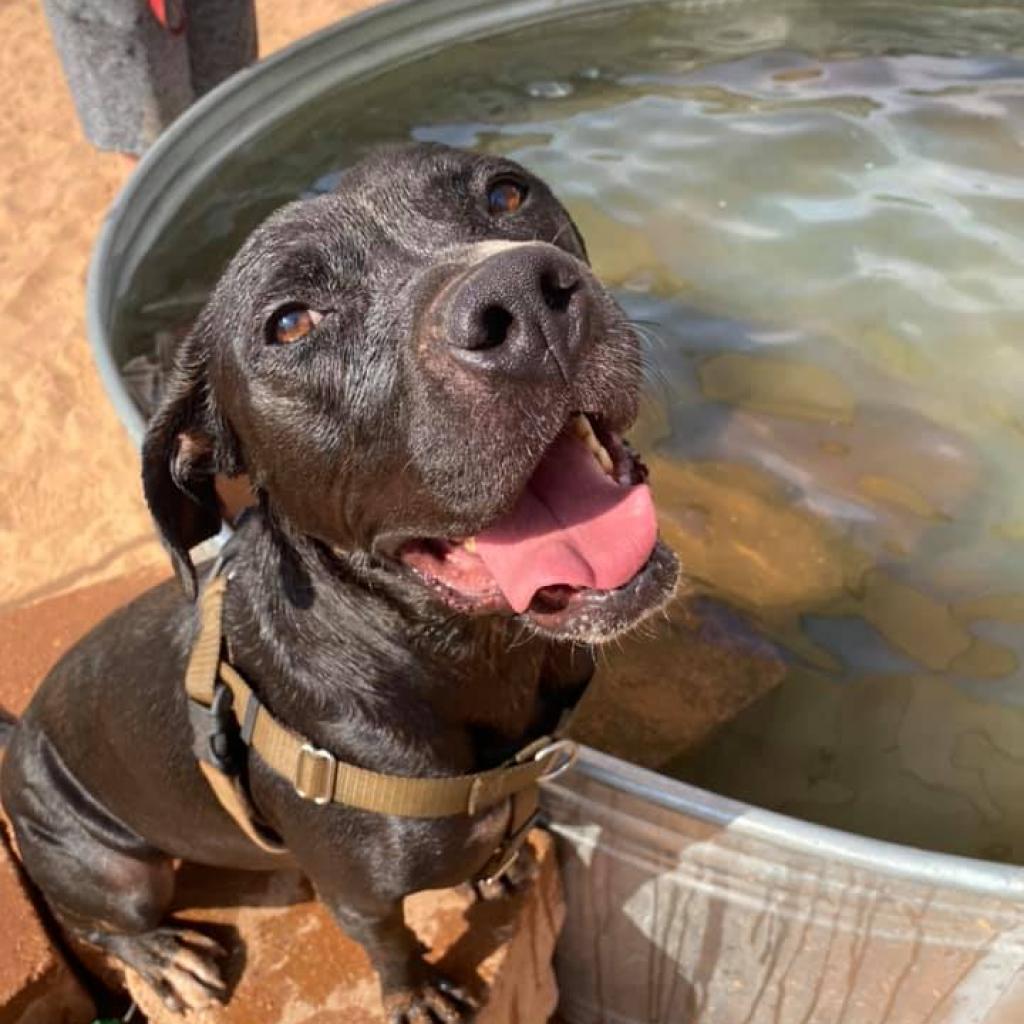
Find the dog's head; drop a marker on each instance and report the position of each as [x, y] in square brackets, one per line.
[421, 367]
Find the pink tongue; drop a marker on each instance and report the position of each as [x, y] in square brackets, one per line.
[573, 526]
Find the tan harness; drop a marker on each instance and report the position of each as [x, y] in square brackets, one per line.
[228, 720]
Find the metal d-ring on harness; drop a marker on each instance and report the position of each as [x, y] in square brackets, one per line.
[228, 721]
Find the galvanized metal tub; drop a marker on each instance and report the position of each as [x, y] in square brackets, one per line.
[685, 906]
[682, 905]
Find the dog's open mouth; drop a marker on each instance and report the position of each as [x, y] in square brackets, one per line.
[584, 525]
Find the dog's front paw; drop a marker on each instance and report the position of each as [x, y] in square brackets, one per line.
[179, 964]
[434, 1000]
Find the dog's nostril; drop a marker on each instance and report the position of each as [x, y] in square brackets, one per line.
[558, 290]
[497, 324]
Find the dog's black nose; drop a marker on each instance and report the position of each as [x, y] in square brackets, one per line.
[522, 311]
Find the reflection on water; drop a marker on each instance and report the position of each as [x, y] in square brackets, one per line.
[814, 213]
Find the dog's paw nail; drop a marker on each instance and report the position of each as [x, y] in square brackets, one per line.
[458, 992]
[171, 1001]
[197, 940]
[437, 1002]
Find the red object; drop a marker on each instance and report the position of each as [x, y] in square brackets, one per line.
[170, 14]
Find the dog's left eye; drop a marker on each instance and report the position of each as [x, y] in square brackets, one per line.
[292, 324]
[506, 196]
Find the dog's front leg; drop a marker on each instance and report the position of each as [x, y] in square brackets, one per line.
[413, 991]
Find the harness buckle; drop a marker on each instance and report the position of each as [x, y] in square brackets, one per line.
[223, 747]
[315, 774]
[564, 753]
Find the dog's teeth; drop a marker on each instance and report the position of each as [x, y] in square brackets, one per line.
[470, 545]
[585, 432]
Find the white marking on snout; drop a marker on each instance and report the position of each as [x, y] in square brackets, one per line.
[480, 251]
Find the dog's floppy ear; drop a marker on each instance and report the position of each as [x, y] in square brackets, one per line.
[186, 443]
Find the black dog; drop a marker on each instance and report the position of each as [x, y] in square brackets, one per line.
[427, 387]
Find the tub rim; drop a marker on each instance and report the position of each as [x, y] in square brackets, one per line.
[878, 856]
[165, 177]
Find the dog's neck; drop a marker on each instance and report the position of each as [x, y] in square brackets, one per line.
[338, 646]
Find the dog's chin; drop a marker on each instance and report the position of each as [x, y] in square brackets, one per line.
[577, 556]
[586, 615]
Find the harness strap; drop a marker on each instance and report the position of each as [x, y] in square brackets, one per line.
[215, 726]
[217, 691]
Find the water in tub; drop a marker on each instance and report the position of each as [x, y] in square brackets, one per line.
[815, 213]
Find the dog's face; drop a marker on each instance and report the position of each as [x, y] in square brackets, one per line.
[421, 367]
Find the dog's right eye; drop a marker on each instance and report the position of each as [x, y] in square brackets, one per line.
[506, 195]
[291, 324]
